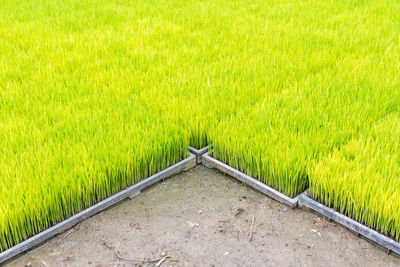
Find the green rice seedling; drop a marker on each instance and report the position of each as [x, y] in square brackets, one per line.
[91, 156]
[81, 160]
[361, 179]
[277, 139]
[95, 96]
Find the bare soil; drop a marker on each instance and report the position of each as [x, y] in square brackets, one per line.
[203, 218]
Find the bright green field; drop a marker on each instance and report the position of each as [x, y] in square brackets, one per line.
[97, 95]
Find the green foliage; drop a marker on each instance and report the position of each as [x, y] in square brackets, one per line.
[361, 179]
[97, 95]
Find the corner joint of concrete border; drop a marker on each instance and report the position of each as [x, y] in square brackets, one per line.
[199, 152]
[302, 203]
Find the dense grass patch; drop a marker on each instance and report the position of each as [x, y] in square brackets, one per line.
[362, 179]
[95, 96]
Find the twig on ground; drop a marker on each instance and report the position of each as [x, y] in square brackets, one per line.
[238, 211]
[119, 257]
[251, 229]
[107, 246]
[161, 261]
[71, 231]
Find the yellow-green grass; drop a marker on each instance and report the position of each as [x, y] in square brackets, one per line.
[96, 95]
[362, 178]
[76, 156]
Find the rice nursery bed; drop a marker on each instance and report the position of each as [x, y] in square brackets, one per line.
[97, 96]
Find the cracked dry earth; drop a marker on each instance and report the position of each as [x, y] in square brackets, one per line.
[203, 218]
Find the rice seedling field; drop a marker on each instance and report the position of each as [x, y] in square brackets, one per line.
[98, 95]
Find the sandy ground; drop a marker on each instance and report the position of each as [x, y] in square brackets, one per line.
[203, 218]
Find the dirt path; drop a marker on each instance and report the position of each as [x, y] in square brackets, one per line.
[203, 218]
